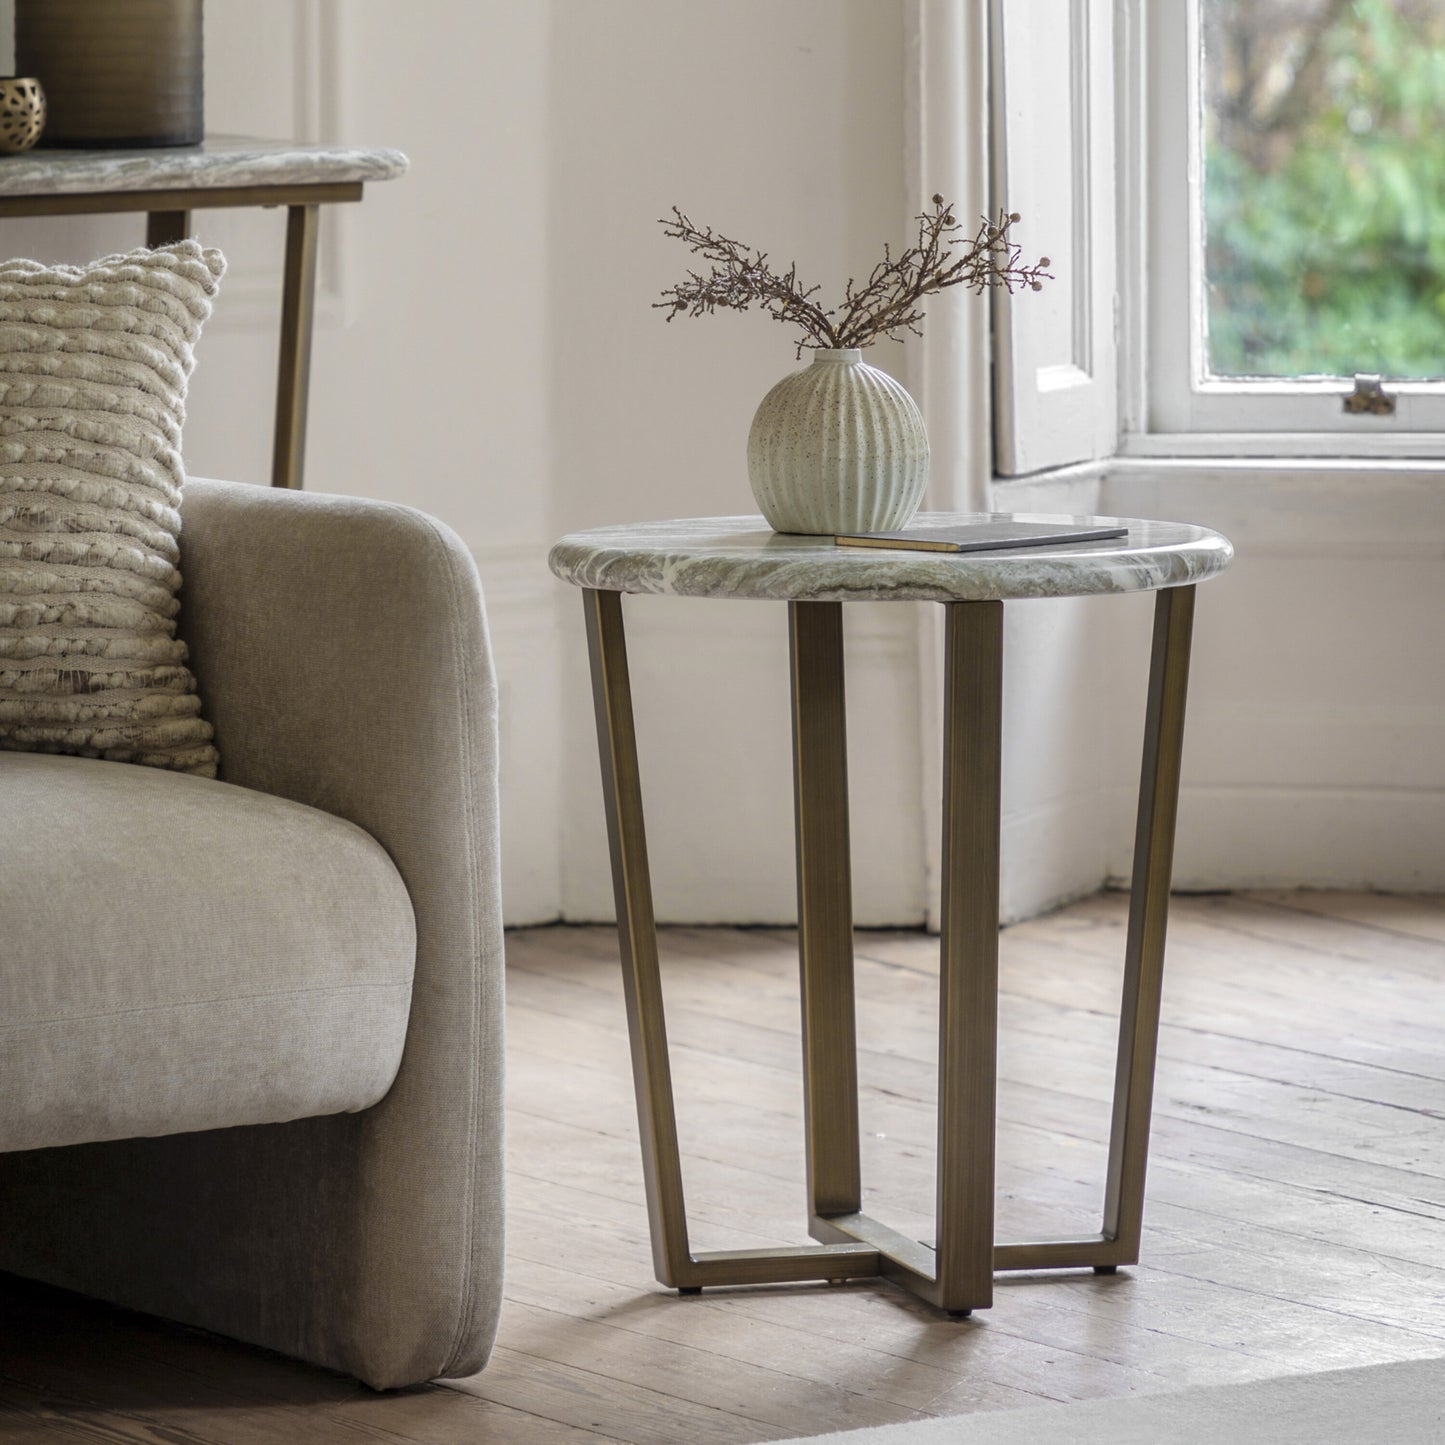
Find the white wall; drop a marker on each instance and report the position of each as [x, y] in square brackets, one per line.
[1315, 745]
[432, 387]
[487, 351]
[430, 368]
[781, 124]
[1073, 709]
[1315, 749]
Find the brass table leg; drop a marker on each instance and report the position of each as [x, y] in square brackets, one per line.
[956, 1274]
[673, 1261]
[164, 227]
[968, 975]
[1118, 1241]
[1148, 919]
[298, 307]
[825, 906]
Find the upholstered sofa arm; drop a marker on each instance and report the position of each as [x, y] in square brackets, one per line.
[342, 655]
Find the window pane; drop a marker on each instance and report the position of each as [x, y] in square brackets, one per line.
[1324, 197]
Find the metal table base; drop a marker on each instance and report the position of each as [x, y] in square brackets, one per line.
[956, 1274]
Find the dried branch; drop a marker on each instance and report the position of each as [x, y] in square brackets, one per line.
[888, 303]
[741, 277]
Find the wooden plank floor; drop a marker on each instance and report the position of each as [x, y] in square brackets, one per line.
[1296, 1216]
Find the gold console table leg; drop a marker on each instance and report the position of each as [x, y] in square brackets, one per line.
[293, 370]
[957, 1273]
[165, 227]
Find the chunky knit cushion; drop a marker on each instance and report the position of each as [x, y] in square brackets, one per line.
[93, 368]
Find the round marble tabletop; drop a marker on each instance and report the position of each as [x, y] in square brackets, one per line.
[743, 557]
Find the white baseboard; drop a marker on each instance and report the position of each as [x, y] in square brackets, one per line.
[1391, 840]
[1052, 854]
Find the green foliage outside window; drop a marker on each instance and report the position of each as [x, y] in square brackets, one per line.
[1325, 187]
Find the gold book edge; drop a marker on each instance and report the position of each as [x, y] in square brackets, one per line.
[893, 545]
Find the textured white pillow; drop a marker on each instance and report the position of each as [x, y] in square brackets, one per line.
[93, 368]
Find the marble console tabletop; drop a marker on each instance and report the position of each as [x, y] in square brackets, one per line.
[743, 557]
[219, 162]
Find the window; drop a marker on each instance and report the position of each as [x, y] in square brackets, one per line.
[1052, 80]
[1294, 169]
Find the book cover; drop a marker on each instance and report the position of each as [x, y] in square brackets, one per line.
[988, 536]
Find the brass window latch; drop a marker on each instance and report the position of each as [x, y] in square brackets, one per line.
[1370, 397]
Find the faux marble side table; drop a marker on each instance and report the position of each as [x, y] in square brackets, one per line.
[169, 183]
[739, 557]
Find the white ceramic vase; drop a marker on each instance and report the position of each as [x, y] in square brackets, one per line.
[838, 447]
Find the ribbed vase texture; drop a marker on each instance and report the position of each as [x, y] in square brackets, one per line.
[838, 447]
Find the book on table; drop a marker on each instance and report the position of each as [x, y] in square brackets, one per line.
[989, 536]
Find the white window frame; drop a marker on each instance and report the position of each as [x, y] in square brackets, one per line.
[1168, 407]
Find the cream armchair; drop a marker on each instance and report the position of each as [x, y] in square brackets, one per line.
[251, 1030]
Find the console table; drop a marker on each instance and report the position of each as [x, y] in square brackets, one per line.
[168, 183]
[740, 558]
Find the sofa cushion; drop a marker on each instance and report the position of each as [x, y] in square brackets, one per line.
[94, 362]
[178, 953]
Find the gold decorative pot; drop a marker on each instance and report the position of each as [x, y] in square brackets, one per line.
[22, 113]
